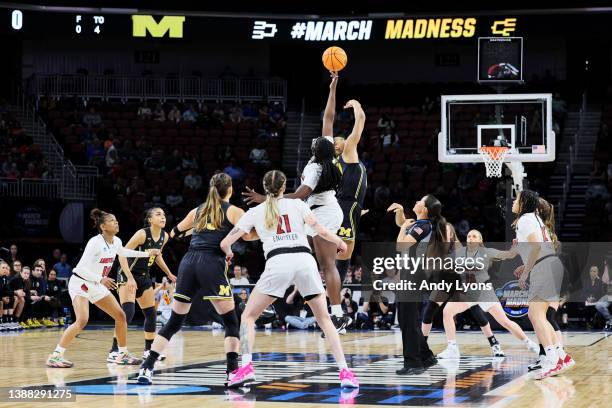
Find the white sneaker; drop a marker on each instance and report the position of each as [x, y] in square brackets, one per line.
[451, 351]
[548, 369]
[497, 351]
[216, 326]
[532, 346]
[112, 356]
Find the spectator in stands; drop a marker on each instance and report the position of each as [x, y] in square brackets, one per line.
[598, 173]
[427, 106]
[95, 152]
[259, 155]
[241, 304]
[235, 114]
[157, 197]
[596, 291]
[112, 155]
[56, 256]
[234, 171]
[349, 306]
[159, 114]
[63, 268]
[385, 122]
[190, 115]
[174, 115]
[349, 275]
[31, 172]
[189, 162]
[467, 179]
[92, 118]
[238, 279]
[559, 106]
[193, 180]
[357, 275]
[389, 138]
[218, 115]
[144, 112]
[174, 199]
[277, 118]
[299, 314]
[155, 161]
[249, 112]
[377, 312]
[14, 253]
[9, 169]
[16, 268]
[174, 162]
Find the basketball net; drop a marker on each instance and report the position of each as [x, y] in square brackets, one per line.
[493, 157]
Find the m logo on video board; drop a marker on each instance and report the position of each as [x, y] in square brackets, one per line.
[173, 25]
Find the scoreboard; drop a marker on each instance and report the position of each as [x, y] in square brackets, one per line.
[126, 24]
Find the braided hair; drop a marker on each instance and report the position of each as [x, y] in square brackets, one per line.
[273, 184]
[324, 154]
[527, 203]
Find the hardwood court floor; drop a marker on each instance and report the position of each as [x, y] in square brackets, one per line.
[294, 369]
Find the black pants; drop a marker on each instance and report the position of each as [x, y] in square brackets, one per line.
[415, 346]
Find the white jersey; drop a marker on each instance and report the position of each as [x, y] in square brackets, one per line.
[98, 257]
[527, 225]
[290, 231]
[310, 178]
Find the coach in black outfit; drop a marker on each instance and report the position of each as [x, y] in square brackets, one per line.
[428, 232]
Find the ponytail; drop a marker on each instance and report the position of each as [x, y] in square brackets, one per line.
[271, 212]
[273, 183]
[211, 212]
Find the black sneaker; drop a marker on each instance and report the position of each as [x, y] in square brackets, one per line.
[430, 362]
[535, 366]
[341, 323]
[410, 371]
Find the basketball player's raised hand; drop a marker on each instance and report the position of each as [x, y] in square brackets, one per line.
[354, 104]
[395, 207]
[253, 197]
[334, 81]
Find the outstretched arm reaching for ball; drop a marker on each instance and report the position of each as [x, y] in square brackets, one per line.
[330, 108]
[349, 154]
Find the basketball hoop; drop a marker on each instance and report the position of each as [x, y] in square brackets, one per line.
[493, 157]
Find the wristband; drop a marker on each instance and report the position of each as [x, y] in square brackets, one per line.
[177, 232]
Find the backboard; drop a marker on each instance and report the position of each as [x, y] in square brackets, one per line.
[523, 122]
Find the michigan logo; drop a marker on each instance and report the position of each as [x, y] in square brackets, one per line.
[345, 232]
[173, 25]
[504, 27]
[225, 290]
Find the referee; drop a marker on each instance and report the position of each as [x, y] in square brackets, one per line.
[427, 232]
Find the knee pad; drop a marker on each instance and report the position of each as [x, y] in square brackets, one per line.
[230, 321]
[149, 319]
[430, 311]
[128, 308]
[479, 316]
[551, 314]
[173, 326]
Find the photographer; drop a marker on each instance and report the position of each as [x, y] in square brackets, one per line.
[349, 306]
[163, 300]
[299, 314]
[378, 312]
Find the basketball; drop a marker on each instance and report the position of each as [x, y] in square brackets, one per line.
[334, 59]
